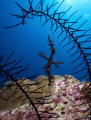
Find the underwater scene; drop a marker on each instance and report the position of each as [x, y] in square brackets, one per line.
[45, 60]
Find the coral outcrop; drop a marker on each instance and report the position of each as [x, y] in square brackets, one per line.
[65, 99]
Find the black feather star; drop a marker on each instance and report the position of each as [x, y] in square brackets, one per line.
[20, 91]
[6, 73]
[73, 36]
[66, 27]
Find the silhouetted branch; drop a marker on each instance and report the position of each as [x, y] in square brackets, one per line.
[58, 22]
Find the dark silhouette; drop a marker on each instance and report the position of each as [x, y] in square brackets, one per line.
[66, 27]
[50, 60]
[7, 75]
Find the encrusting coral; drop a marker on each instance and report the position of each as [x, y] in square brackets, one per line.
[67, 100]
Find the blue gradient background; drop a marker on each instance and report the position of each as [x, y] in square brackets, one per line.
[28, 40]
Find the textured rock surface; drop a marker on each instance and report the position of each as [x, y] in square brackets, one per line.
[68, 99]
[5, 93]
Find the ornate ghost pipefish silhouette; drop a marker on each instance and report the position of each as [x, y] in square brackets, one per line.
[50, 60]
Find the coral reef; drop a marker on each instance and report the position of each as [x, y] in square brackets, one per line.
[67, 100]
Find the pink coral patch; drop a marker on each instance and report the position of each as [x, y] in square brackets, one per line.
[61, 84]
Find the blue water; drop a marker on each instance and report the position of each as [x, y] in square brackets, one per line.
[29, 40]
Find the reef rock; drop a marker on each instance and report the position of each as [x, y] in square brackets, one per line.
[66, 97]
[10, 92]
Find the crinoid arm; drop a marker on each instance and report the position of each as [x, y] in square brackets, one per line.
[65, 26]
[22, 97]
[11, 76]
